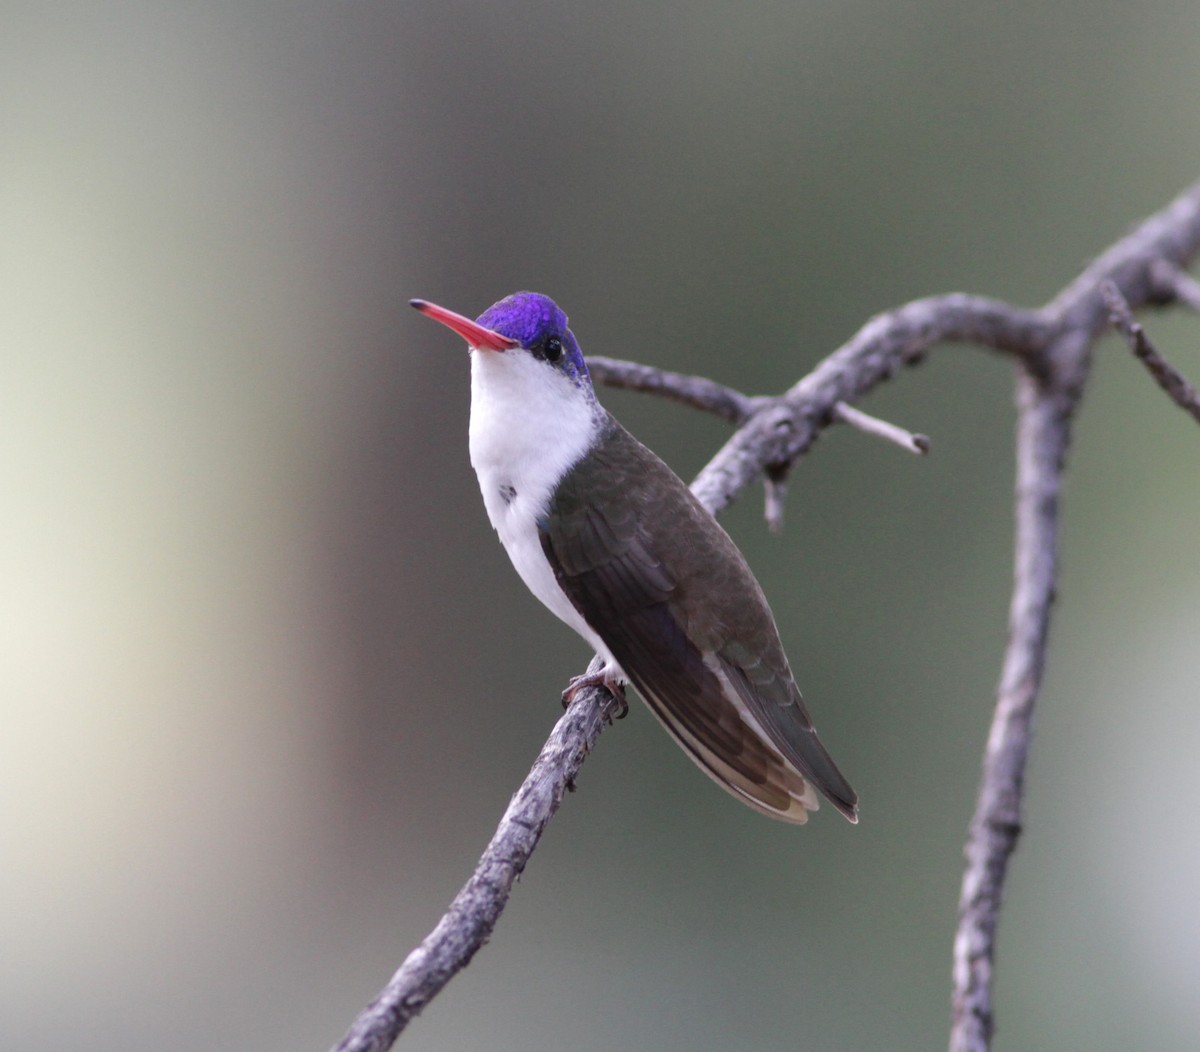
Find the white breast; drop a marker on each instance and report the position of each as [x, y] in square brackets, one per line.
[529, 425]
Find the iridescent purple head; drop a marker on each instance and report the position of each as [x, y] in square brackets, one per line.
[526, 320]
[539, 325]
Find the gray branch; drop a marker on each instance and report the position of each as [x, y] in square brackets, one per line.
[469, 921]
[695, 391]
[1170, 379]
[1176, 286]
[872, 425]
[1052, 347]
[1043, 431]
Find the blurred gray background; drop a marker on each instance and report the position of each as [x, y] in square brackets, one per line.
[267, 679]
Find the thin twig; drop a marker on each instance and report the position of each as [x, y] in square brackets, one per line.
[775, 488]
[469, 921]
[1170, 379]
[1178, 285]
[872, 425]
[696, 391]
[1053, 346]
[702, 393]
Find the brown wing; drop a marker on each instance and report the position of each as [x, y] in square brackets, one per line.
[708, 663]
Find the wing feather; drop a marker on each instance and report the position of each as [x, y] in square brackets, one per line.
[708, 663]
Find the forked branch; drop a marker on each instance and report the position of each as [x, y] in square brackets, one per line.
[1052, 350]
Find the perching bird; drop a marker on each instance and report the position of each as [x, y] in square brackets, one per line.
[611, 540]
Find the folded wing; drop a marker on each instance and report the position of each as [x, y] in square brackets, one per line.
[671, 596]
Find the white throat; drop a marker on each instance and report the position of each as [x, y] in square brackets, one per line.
[529, 426]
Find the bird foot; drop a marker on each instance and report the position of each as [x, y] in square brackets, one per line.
[598, 679]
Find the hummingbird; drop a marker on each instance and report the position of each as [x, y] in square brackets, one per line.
[613, 542]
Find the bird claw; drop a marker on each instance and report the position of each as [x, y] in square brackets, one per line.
[618, 692]
[598, 679]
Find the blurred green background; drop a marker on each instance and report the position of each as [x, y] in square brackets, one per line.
[267, 679]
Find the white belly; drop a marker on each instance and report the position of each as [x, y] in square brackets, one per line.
[516, 523]
[520, 452]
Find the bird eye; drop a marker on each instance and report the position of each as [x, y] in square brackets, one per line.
[553, 349]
